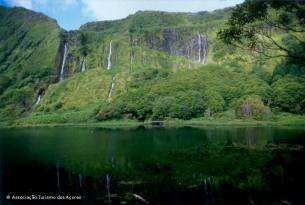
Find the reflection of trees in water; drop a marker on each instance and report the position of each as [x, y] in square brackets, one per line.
[149, 163]
[249, 136]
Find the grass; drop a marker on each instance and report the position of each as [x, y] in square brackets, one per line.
[82, 119]
[236, 122]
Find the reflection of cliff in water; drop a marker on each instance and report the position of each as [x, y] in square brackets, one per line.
[202, 166]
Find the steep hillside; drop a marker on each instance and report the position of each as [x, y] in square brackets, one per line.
[29, 45]
[150, 65]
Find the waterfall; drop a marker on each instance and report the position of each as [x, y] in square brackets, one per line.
[199, 48]
[58, 176]
[62, 71]
[111, 87]
[110, 56]
[38, 100]
[108, 187]
[83, 66]
[80, 180]
[202, 47]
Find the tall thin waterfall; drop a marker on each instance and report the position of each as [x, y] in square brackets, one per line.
[111, 87]
[202, 48]
[199, 48]
[110, 56]
[62, 71]
[83, 66]
[38, 100]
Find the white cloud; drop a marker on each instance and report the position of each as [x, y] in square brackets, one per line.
[23, 3]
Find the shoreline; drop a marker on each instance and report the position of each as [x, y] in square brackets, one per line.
[166, 124]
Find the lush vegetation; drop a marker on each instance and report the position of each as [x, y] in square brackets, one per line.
[155, 71]
[29, 43]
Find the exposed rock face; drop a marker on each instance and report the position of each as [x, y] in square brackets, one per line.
[188, 42]
[180, 42]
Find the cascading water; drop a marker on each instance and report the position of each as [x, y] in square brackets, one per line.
[111, 87]
[202, 48]
[110, 56]
[83, 66]
[38, 100]
[108, 187]
[62, 71]
[199, 48]
[58, 177]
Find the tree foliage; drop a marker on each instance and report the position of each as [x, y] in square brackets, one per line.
[251, 106]
[256, 24]
[288, 94]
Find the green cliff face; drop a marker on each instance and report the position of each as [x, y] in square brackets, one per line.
[151, 65]
[29, 45]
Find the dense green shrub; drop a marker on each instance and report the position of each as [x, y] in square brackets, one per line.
[288, 94]
[251, 107]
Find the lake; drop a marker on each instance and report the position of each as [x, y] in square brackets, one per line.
[209, 165]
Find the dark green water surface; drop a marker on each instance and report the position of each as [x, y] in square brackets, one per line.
[211, 165]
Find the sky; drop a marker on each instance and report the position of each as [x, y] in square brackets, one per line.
[71, 14]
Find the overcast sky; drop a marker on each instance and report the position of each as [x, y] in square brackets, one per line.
[70, 14]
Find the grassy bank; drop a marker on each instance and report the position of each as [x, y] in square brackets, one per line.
[78, 120]
[279, 120]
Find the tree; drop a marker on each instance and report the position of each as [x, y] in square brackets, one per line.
[251, 106]
[256, 25]
[162, 106]
[214, 102]
[288, 94]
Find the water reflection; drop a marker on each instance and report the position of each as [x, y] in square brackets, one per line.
[157, 166]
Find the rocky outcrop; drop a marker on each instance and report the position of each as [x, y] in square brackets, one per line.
[188, 42]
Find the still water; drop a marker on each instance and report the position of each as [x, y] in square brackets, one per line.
[211, 165]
